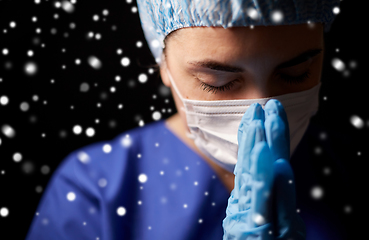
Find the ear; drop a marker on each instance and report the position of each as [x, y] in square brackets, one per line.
[164, 74]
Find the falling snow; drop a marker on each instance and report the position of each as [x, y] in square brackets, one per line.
[107, 148]
[252, 13]
[4, 212]
[336, 10]
[45, 169]
[338, 64]
[71, 196]
[60, 99]
[17, 157]
[142, 178]
[90, 132]
[8, 131]
[258, 219]
[142, 78]
[317, 192]
[83, 157]
[30, 68]
[94, 62]
[24, 106]
[156, 115]
[126, 141]
[125, 61]
[121, 211]
[102, 182]
[277, 16]
[4, 100]
[356, 121]
[77, 129]
[84, 87]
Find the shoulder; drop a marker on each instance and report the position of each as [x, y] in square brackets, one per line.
[87, 182]
[104, 163]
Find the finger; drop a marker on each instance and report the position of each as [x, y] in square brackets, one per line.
[246, 140]
[256, 133]
[277, 129]
[286, 219]
[262, 184]
[246, 136]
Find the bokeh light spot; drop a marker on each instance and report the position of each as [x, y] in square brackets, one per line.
[121, 211]
[142, 178]
[71, 196]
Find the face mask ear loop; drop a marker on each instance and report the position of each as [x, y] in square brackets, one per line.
[188, 134]
[171, 79]
[173, 83]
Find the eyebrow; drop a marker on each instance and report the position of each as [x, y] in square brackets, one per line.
[214, 65]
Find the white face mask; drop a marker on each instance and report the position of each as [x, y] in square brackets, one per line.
[214, 124]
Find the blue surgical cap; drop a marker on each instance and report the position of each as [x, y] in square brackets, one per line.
[161, 17]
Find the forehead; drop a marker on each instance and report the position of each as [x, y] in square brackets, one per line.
[246, 42]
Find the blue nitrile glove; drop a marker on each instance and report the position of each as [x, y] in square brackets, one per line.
[262, 205]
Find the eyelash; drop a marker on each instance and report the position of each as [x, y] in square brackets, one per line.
[215, 89]
[286, 78]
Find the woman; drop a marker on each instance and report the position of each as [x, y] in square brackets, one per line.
[220, 167]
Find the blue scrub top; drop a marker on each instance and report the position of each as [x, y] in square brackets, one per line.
[144, 184]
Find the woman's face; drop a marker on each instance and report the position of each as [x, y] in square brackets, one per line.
[244, 63]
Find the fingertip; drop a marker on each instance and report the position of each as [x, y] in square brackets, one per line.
[283, 168]
[254, 111]
[273, 106]
[276, 134]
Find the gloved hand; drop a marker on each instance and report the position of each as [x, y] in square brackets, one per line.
[262, 204]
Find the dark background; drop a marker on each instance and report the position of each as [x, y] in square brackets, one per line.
[343, 94]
